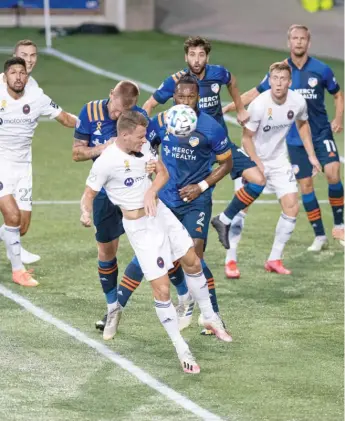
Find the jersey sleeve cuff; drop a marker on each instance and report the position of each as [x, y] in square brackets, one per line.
[223, 156]
[81, 136]
[158, 98]
[335, 90]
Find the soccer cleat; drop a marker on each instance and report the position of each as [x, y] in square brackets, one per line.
[217, 326]
[207, 332]
[276, 266]
[231, 270]
[101, 323]
[338, 234]
[113, 320]
[24, 278]
[320, 243]
[189, 365]
[185, 313]
[26, 257]
[222, 230]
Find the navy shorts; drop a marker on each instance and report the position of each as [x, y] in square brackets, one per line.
[326, 152]
[241, 162]
[107, 219]
[195, 217]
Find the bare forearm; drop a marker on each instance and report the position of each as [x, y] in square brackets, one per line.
[305, 135]
[339, 105]
[87, 201]
[249, 147]
[67, 119]
[246, 98]
[84, 153]
[160, 180]
[236, 96]
[220, 172]
[150, 105]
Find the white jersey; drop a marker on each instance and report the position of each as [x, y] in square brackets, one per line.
[123, 176]
[19, 119]
[271, 122]
[31, 81]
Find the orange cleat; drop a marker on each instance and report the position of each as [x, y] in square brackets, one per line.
[338, 234]
[231, 270]
[24, 278]
[276, 266]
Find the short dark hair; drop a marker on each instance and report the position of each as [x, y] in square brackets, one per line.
[12, 62]
[187, 79]
[25, 43]
[280, 66]
[129, 120]
[128, 91]
[197, 42]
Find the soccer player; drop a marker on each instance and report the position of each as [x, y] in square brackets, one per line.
[311, 77]
[272, 114]
[156, 236]
[19, 112]
[210, 78]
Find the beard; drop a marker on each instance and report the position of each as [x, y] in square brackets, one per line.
[197, 71]
[300, 53]
[17, 89]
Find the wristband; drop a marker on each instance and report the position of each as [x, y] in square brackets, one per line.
[203, 185]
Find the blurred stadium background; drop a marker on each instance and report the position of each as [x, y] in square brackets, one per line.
[286, 363]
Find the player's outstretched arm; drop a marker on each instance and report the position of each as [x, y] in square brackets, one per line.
[246, 97]
[67, 119]
[242, 113]
[82, 152]
[249, 147]
[305, 134]
[150, 200]
[337, 123]
[150, 105]
[86, 206]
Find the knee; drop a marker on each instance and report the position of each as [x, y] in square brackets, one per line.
[106, 252]
[332, 172]
[307, 185]
[12, 218]
[261, 179]
[292, 209]
[162, 292]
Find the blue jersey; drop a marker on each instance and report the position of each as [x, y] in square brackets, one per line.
[311, 81]
[189, 159]
[209, 90]
[94, 124]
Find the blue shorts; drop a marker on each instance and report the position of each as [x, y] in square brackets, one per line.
[107, 219]
[241, 162]
[195, 217]
[326, 152]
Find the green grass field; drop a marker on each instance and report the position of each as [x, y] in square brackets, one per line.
[286, 361]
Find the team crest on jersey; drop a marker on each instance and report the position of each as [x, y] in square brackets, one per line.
[98, 132]
[160, 262]
[127, 169]
[26, 109]
[269, 112]
[3, 105]
[215, 88]
[290, 114]
[194, 141]
[312, 82]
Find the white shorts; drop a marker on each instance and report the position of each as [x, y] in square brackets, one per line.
[281, 180]
[157, 241]
[16, 179]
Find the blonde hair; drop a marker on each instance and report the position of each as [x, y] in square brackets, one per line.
[297, 26]
[128, 92]
[129, 120]
[280, 66]
[25, 43]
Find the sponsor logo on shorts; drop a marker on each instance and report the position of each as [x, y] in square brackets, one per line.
[129, 182]
[1, 185]
[266, 128]
[290, 115]
[26, 109]
[160, 262]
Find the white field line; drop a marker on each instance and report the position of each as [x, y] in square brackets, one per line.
[117, 359]
[216, 202]
[111, 75]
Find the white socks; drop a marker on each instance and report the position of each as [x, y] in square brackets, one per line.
[223, 218]
[197, 285]
[167, 315]
[12, 242]
[284, 229]
[235, 234]
[184, 298]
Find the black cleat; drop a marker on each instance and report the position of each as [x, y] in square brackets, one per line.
[101, 323]
[223, 231]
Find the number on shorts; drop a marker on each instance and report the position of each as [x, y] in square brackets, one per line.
[200, 221]
[330, 145]
[25, 195]
[291, 175]
[242, 151]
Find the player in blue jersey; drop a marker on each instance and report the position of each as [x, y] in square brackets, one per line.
[210, 78]
[311, 77]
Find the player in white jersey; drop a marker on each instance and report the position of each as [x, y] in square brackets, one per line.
[271, 116]
[27, 50]
[155, 234]
[19, 113]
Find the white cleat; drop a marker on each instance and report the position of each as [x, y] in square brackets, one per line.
[26, 257]
[185, 314]
[113, 320]
[189, 365]
[216, 326]
[320, 243]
